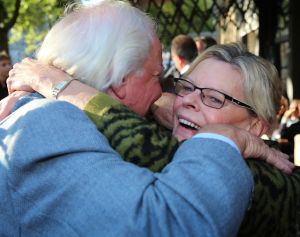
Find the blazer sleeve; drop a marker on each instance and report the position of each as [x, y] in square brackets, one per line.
[59, 177]
[138, 140]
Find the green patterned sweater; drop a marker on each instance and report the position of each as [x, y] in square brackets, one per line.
[275, 207]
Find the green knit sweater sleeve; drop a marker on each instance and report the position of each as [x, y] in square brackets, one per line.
[137, 140]
[275, 209]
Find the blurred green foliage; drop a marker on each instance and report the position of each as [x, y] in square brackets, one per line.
[34, 19]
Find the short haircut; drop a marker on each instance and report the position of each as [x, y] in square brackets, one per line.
[208, 41]
[262, 86]
[184, 46]
[99, 44]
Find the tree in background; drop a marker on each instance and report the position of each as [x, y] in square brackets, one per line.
[9, 12]
[27, 20]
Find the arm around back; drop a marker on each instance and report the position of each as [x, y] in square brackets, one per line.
[59, 177]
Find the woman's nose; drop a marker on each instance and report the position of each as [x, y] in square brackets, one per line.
[192, 100]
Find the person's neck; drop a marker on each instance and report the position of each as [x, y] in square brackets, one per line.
[294, 118]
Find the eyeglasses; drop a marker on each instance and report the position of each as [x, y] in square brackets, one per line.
[210, 97]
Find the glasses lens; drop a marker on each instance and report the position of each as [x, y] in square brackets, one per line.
[212, 98]
[183, 88]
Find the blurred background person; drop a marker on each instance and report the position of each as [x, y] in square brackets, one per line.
[5, 66]
[204, 42]
[289, 127]
[183, 52]
[199, 43]
[208, 41]
[284, 105]
[291, 116]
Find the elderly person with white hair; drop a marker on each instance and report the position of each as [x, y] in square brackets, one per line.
[60, 177]
[133, 82]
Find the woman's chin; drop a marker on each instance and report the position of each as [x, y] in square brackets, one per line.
[183, 135]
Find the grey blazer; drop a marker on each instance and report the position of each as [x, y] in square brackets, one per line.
[60, 177]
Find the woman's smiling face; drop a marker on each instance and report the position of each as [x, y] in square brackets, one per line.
[190, 113]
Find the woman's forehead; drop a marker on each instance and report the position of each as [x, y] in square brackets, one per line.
[215, 71]
[219, 75]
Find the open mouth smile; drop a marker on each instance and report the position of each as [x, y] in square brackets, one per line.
[188, 124]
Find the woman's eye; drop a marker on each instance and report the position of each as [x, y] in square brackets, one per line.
[187, 88]
[214, 100]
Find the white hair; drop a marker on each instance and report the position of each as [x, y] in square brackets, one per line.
[99, 44]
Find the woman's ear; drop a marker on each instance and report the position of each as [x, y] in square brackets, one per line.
[258, 127]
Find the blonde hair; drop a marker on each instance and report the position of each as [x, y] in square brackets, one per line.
[99, 44]
[262, 86]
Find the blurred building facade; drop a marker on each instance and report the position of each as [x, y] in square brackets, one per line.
[268, 28]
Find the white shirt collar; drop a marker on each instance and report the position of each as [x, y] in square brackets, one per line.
[184, 69]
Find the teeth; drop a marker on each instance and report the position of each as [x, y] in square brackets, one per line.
[188, 123]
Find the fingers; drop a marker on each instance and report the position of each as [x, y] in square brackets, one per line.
[256, 148]
[9, 81]
[8, 103]
[6, 106]
[20, 76]
[253, 147]
[280, 161]
[274, 157]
